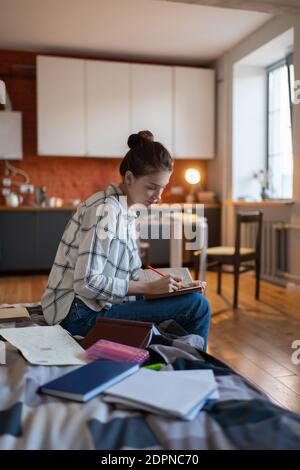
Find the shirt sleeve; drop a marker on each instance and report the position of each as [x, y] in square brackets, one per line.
[95, 250]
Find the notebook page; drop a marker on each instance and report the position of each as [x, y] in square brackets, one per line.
[46, 345]
[184, 273]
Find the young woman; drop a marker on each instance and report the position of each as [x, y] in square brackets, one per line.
[97, 263]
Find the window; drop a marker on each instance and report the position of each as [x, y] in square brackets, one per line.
[280, 150]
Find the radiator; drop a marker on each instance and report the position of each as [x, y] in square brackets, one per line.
[274, 255]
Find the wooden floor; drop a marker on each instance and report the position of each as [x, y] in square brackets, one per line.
[255, 341]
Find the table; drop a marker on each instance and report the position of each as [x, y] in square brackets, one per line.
[176, 245]
[173, 226]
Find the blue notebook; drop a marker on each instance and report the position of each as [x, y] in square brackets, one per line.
[86, 382]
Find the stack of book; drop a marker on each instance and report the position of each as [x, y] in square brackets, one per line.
[177, 394]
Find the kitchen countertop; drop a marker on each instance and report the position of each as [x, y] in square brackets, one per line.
[211, 205]
[267, 202]
[37, 208]
[190, 205]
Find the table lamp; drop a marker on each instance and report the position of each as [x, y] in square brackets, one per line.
[193, 177]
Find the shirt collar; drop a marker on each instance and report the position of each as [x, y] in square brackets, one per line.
[115, 190]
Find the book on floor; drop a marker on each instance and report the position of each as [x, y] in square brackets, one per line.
[90, 380]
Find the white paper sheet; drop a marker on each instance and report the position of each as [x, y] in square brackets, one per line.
[46, 345]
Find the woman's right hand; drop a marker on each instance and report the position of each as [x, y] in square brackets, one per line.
[164, 285]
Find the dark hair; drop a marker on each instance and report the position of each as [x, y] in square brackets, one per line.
[145, 155]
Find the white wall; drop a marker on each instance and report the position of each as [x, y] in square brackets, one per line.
[249, 129]
[222, 166]
[216, 166]
[295, 216]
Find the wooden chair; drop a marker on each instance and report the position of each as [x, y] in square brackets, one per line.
[236, 255]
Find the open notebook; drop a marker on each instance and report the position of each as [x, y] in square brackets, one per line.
[184, 273]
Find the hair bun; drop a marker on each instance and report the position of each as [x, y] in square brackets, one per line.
[139, 138]
[133, 139]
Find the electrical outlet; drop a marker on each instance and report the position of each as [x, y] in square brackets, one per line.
[5, 191]
[6, 182]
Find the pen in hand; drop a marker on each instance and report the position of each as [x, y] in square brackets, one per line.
[183, 286]
[155, 270]
[176, 279]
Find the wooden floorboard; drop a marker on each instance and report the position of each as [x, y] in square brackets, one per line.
[255, 340]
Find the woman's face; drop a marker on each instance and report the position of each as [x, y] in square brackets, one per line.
[146, 189]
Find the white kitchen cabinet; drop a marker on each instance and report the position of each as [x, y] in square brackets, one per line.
[61, 106]
[194, 113]
[11, 147]
[89, 107]
[107, 108]
[152, 107]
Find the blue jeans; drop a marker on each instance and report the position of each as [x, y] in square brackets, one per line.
[191, 311]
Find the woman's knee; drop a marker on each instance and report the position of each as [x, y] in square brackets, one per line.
[202, 303]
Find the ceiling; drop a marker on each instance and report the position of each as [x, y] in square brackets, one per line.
[274, 7]
[133, 29]
[271, 52]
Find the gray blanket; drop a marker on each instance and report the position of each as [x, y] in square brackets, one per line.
[242, 418]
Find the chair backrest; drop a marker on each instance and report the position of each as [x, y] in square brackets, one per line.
[247, 218]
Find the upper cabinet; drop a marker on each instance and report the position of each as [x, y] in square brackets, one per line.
[107, 108]
[11, 147]
[61, 106]
[152, 101]
[194, 114]
[89, 107]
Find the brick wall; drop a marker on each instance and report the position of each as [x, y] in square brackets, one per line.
[65, 177]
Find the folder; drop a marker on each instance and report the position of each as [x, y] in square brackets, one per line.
[130, 332]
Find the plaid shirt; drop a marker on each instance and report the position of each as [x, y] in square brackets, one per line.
[96, 257]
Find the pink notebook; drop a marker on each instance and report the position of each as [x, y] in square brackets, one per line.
[104, 349]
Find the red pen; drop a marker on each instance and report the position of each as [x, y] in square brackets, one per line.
[155, 270]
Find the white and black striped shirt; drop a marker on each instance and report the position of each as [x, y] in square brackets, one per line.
[96, 257]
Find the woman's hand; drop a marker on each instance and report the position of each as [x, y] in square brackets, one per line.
[161, 286]
[164, 285]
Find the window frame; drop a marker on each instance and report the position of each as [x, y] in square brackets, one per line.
[287, 61]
